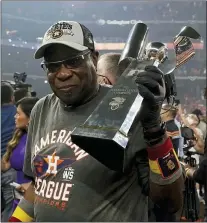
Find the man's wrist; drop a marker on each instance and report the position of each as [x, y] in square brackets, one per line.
[157, 142]
[155, 135]
[153, 127]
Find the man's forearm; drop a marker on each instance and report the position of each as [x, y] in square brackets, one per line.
[166, 179]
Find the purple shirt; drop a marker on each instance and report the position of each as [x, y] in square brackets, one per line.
[17, 160]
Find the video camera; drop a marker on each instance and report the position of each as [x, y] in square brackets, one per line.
[190, 207]
[20, 77]
[189, 140]
[19, 82]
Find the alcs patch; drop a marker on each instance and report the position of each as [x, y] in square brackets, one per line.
[165, 166]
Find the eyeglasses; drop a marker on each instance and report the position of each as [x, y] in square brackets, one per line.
[74, 62]
[104, 80]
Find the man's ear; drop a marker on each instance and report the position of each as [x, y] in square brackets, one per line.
[95, 55]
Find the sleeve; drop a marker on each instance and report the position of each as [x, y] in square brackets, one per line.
[27, 168]
[200, 174]
[143, 171]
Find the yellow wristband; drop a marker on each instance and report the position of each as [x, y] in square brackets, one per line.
[22, 215]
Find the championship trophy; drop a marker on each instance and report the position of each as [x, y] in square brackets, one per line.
[110, 132]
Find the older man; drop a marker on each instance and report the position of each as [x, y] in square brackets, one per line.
[69, 184]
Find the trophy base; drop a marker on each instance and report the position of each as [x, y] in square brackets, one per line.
[107, 146]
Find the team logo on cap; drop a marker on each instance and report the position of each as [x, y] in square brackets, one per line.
[57, 34]
[58, 30]
[54, 34]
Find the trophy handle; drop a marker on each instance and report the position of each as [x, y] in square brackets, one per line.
[188, 32]
[182, 53]
[168, 61]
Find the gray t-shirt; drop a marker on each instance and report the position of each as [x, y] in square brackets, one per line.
[70, 185]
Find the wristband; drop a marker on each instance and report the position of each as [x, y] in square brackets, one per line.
[24, 212]
[160, 150]
[154, 142]
[150, 136]
[163, 160]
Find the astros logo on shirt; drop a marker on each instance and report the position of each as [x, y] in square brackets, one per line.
[53, 162]
[49, 165]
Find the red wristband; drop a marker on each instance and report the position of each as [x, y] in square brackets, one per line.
[13, 219]
[160, 150]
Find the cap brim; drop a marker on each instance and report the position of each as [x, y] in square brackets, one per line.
[40, 52]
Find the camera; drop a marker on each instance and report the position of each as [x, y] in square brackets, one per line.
[177, 102]
[190, 207]
[189, 138]
[19, 81]
[19, 77]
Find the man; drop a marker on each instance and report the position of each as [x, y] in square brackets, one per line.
[109, 69]
[8, 111]
[168, 114]
[70, 185]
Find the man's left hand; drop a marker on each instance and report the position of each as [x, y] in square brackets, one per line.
[151, 87]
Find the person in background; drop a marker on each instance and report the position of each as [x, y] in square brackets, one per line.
[201, 121]
[179, 124]
[21, 93]
[8, 111]
[109, 69]
[14, 156]
[192, 121]
[201, 126]
[168, 114]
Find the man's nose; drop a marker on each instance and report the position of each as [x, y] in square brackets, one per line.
[64, 73]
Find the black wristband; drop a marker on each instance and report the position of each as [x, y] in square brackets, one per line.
[154, 142]
[151, 136]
